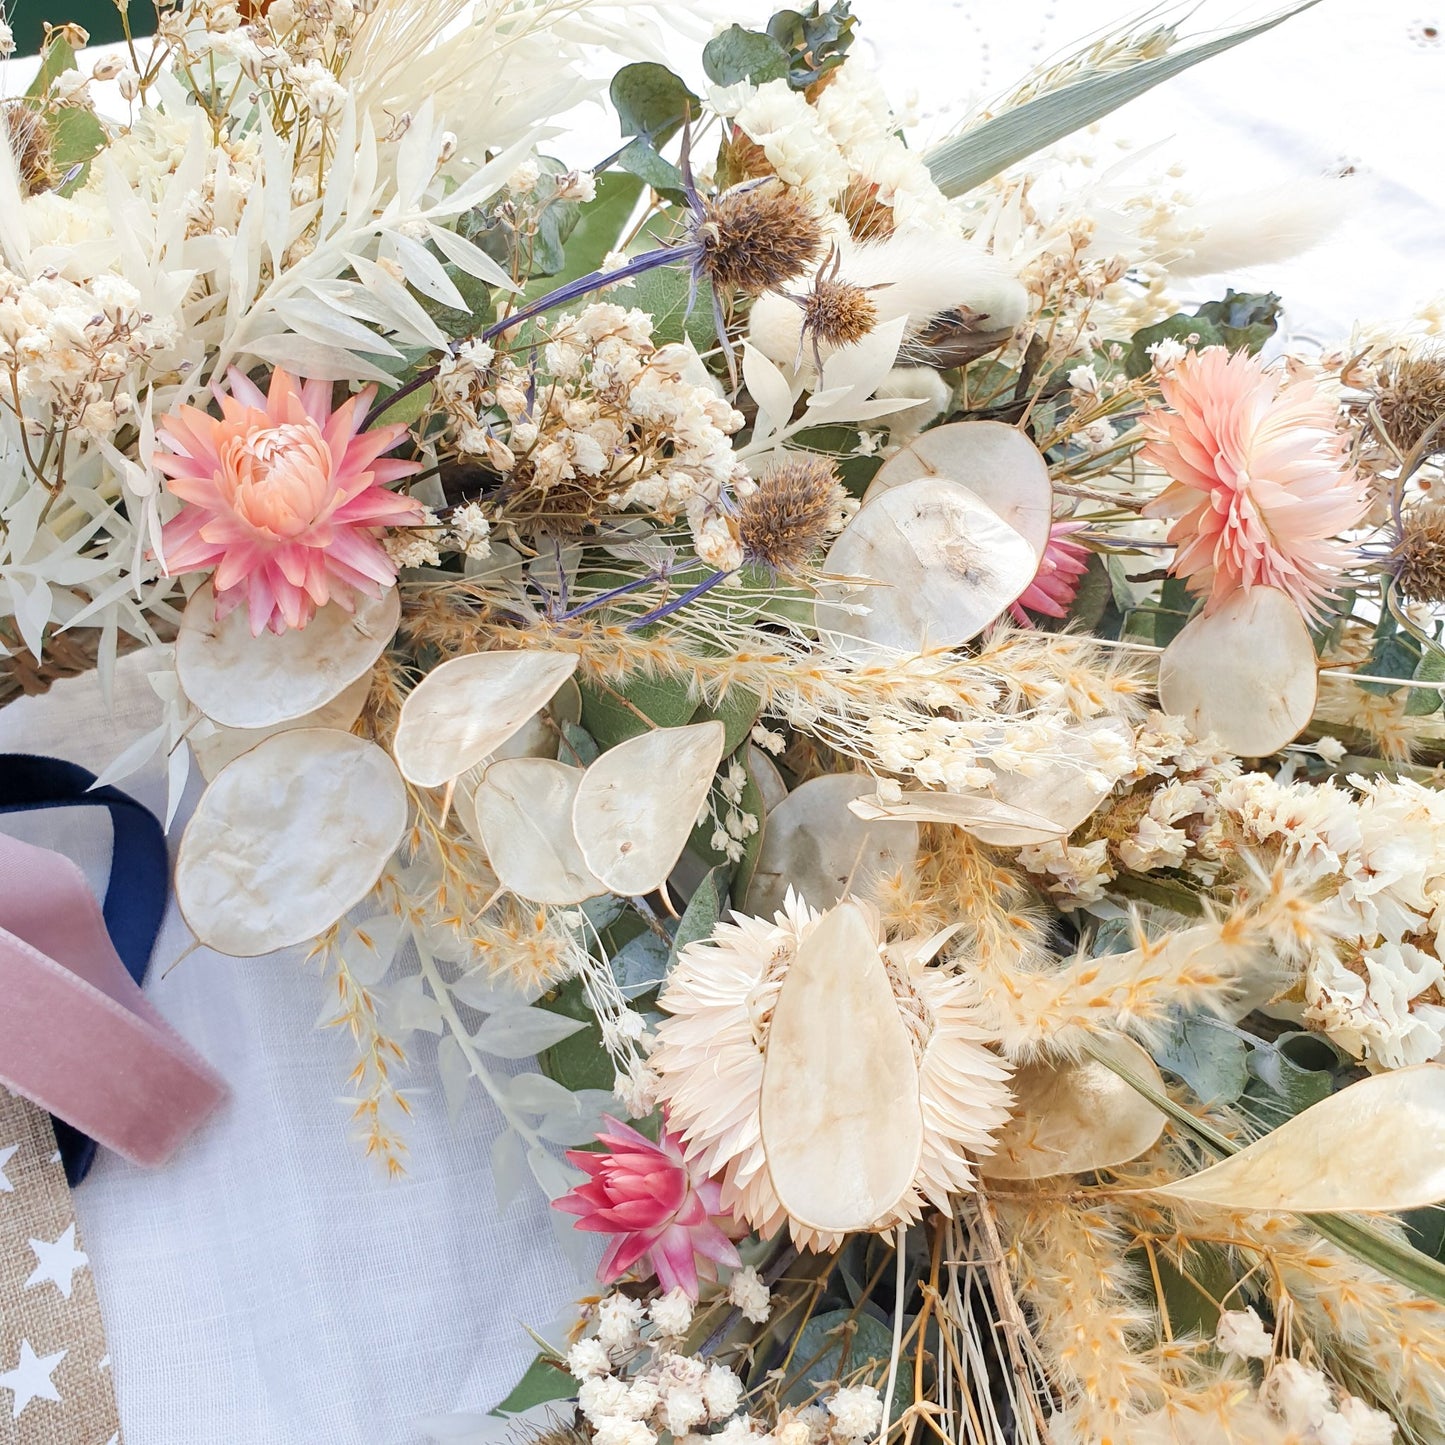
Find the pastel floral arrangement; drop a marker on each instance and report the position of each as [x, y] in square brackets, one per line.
[926, 736]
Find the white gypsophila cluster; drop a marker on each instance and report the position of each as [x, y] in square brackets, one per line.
[628, 423]
[1304, 1401]
[857, 1411]
[1377, 860]
[748, 1293]
[632, 1389]
[1242, 1333]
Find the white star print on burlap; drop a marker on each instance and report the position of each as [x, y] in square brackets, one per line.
[55, 1388]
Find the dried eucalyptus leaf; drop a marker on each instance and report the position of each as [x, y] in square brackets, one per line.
[1378, 1145]
[523, 818]
[223, 745]
[815, 845]
[841, 1117]
[464, 710]
[764, 771]
[1071, 1118]
[932, 564]
[1245, 673]
[241, 681]
[287, 838]
[637, 804]
[998, 463]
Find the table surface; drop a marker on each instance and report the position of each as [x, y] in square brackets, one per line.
[268, 1287]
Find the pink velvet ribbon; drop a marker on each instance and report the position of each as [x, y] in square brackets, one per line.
[77, 1036]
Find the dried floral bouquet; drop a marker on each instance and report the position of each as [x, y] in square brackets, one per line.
[813, 641]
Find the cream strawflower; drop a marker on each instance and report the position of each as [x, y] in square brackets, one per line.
[709, 1055]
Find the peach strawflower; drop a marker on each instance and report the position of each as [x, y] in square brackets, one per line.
[284, 498]
[1261, 486]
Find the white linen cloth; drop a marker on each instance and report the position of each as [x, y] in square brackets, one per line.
[268, 1288]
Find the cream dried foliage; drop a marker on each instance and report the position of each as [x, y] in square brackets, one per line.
[1091, 1326]
[1012, 679]
[1381, 1339]
[710, 1058]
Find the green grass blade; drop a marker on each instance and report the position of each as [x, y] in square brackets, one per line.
[971, 158]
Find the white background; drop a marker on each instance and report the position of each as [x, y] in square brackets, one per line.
[268, 1288]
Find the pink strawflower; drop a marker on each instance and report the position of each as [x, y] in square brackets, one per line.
[1261, 486]
[660, 1208]
[1056, 583]
[284, 498]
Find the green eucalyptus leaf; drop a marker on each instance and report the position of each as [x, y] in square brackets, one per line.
[1208, 1055]
[641, 964]
[651, 101]
[739, 54]
[581, 1060]
[1425, 700]
[599, 229]
[610, 713]
[665, 293]
[816, 40]
[737, 709]
[546, 1379]
[838, 1342]
[703, 910]
[960, 164]
[640, 158]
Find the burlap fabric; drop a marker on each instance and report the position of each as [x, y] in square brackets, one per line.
[55, 1384]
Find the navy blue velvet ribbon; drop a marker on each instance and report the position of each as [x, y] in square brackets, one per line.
[135, 896]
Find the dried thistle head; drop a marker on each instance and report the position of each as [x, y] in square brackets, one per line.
[29, 138]
[1410, 398]
[869, 219]
[835, 312]
[756, 237]
[1418, 560]
[795, 508]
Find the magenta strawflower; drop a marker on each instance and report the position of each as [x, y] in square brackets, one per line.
[661, 1211]
[284, 497]
[1056, 583]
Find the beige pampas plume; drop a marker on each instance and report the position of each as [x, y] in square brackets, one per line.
[1254, 228]
[920, 275]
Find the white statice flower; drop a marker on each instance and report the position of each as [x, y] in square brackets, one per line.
[619, 1321]
[857, 1411]
[671, 1313]
[577, 186]
[588, 1359]
[470, 531]
[794, 138]
[1076, 876]
[7, 41]
[1084, 379]
[1242, 1333]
